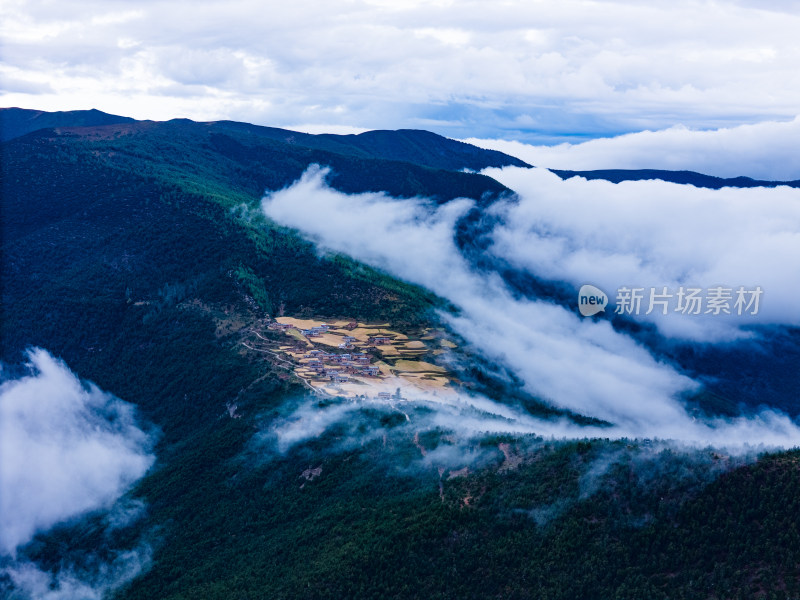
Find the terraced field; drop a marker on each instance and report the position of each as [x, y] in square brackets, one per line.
[388, 360]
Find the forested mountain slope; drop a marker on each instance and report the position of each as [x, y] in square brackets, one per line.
[135, 252]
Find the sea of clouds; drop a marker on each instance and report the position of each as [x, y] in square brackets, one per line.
[765, 150]
[567, 230]
[654, 234]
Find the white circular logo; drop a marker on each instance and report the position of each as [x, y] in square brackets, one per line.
[591, 300]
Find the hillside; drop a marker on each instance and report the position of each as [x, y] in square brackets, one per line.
[136, 252]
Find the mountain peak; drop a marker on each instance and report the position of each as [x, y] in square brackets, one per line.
[16, 122]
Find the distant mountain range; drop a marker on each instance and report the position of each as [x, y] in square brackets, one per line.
[682, 177]
[417, 147]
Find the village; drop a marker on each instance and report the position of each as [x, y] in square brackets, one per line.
[360, 360]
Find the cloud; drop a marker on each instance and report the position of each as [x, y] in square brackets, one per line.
[71, 583]
[23, 86]
[582, 365]
[467, 415]
[66, 448]
[321, 128]
[306, 423]
[653, 234]
[761, 151]
[439, 438]
[513, 70]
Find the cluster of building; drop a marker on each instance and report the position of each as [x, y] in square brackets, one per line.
[347, 342]
[315, 331]
[339, 367]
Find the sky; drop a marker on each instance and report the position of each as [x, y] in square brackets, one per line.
[765, 150]
[539, 72]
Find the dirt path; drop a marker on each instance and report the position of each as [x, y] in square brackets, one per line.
[286, 365]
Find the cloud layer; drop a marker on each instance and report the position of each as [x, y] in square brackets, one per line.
[582, 365]
[65, 449]
[653, 234]
[762, 151]
[32, 583]
[541, 70]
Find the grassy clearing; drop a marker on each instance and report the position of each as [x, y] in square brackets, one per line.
[418, 366]
[300, 323]
[299, 336]
[413, 345]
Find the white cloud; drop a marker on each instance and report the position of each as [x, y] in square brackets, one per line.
[509, 69]
[761, 151]
[32, 583]
[322, 128]
[656, 234]
[578, 364]
[467, 415]
[65, 449]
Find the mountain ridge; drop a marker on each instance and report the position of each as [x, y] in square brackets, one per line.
[681, 177]
[16, 122]
[419, 147]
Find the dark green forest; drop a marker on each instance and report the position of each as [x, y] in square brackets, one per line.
[125, 244]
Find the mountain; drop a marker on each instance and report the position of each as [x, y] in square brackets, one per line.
[407, 145]
[136, 251]
[15, 122]
[108, 229]
[681, 177]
